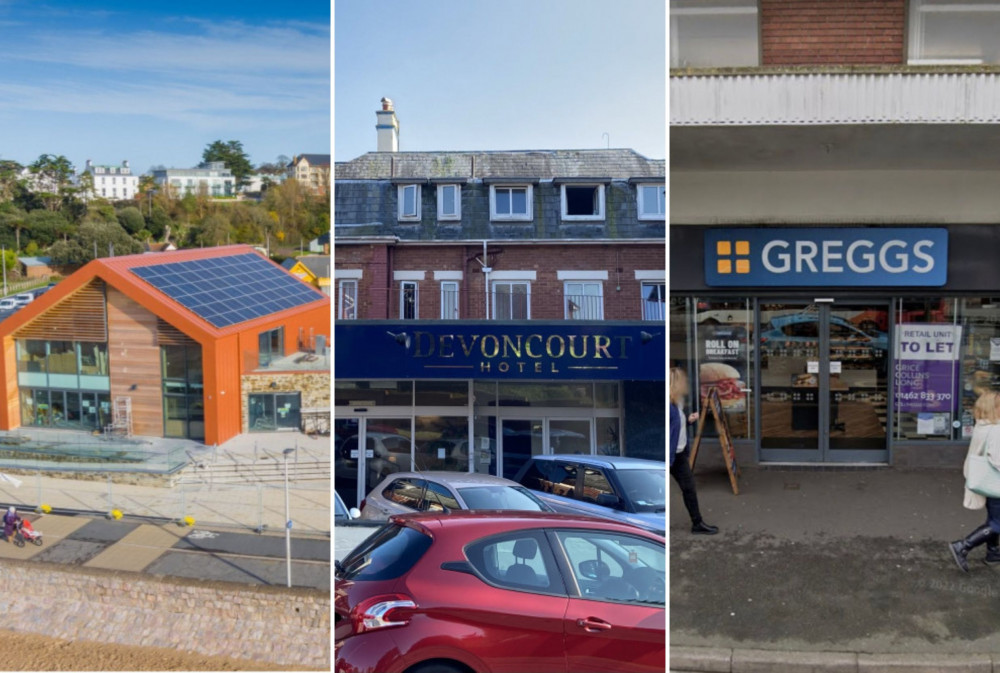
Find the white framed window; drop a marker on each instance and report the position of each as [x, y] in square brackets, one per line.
[654, 300]
[347, 300]
[652, 201]
[584, 300]
[510, 202]
[449, 300]
[512, 300]
[954, 32]
[409, 300]
[449, 202]
[713, 33]
[409, 203]
[582, 202]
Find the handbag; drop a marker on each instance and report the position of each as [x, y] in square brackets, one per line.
[983, 477]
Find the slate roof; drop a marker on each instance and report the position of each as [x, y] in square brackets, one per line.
[318, 265]
[607, 163]
[35, 261]
[313, 159]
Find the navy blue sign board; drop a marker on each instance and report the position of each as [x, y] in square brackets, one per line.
[496, 350]
[826, 257]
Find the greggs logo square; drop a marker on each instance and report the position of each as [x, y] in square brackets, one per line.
[732, 255]
[826, 257]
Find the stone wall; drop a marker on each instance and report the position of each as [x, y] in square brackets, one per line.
[265, 624]
[314, 386]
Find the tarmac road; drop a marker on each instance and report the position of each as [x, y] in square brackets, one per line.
[850, 561]
[167, 549]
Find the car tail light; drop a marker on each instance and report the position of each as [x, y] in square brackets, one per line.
[362, 505]
[381, 612]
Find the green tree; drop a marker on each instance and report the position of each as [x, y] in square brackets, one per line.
[158, 222]
[14, 219]
[232, 155]
[10, 178]
[131, 220]
[44, 227]
[53, 177]
[214, 230]
[104, 236]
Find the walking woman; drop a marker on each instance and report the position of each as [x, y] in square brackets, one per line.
[985, 434]
[680, 468]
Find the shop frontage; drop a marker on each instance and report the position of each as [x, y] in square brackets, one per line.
[485, 397]
[839, 345]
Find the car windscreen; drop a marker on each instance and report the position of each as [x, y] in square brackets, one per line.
[386, 554]
[501, 497]
[646, 488]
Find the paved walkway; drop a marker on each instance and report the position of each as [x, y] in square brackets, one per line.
[168, 549]
[846, 563]
[247, 506]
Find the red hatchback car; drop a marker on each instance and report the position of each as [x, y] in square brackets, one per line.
[511, 592]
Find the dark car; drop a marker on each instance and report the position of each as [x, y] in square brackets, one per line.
[632, 490]
[515, 591]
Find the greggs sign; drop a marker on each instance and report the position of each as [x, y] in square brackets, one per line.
[496, 351]
[826, 257]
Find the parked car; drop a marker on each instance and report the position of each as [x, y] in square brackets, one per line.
[8, 304]
[24, 298]
[408, 492]
[631, 490]
[803, 327]
[517, 591]
[340, 510]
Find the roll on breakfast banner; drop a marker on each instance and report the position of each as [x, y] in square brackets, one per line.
[723, 363]
[926, 369]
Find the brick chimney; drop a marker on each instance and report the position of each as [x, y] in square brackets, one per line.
[387, 127]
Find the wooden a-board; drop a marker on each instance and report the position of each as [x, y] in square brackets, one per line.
[710, 403]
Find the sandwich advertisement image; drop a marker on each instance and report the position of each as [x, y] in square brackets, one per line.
[722, 364]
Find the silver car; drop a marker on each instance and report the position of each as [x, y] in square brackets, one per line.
[408, 492]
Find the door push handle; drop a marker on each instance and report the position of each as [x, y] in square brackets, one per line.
[593, 624]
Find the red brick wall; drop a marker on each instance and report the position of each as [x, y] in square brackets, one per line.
[832, 32]
[547, 292]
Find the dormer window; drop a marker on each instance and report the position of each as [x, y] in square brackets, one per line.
[409, 203]
[582, 202]
[510, 202]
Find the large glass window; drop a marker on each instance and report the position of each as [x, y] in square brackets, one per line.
[442, 443]
[954, 31]
[270, 346]
[372, 393]
[584, 300]
[654, 297]
[62, 364]
[183, 403]
[713, 33]
[512, 301]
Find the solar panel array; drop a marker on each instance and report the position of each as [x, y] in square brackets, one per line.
[228, 290]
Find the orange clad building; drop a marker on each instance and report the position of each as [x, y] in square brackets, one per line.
[204, 344]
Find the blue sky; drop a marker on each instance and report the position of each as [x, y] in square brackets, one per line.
[156, 82]
[511, 74]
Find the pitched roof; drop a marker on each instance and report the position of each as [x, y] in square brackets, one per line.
[313, 159]
[119, 272]
[318, 265]
[607, 163]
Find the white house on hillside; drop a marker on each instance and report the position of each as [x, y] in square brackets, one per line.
[112, 182]
[211, 178]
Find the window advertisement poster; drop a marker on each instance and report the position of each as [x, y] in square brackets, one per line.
[926, 372]
[722, 363]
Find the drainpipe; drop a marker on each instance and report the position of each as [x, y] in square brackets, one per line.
[486, 279]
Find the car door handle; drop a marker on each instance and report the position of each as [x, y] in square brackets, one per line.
[593, 624]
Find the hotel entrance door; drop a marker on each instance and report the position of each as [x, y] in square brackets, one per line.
[824, 382]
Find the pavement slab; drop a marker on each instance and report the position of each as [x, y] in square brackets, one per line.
[136, 550]
[101, 530]
[842, 561]
[53, 527]
[225, 568]
[254, 545]
[70, 552]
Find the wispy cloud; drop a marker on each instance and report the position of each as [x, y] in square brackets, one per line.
[208, 68]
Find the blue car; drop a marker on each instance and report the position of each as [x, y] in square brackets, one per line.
[803, 328]
[631, 490]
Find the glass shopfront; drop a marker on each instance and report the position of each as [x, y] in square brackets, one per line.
[489, 427]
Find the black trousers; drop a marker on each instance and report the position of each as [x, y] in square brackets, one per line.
[681, 472]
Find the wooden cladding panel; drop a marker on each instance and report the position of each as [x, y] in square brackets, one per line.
[82, 316]
[134, 360]
[168, 335]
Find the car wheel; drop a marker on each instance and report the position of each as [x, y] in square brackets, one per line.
[438, 667]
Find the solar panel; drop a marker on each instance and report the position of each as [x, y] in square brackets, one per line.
[228, 290]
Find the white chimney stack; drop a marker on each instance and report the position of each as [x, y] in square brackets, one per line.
[387, 127]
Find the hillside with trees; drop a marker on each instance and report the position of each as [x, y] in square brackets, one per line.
[43, 212]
